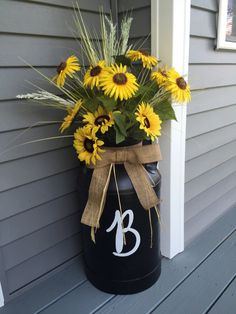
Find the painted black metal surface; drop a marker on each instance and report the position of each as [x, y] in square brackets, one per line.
[115, 263]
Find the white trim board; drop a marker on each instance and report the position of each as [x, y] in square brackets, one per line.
[1, 296]
[170, 29]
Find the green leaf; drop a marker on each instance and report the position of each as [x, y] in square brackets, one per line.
[120, 122]
[132, 104]
[165, 110]
[136, 133]
[119, 136]
[122, 59]
[81, 91]
[108, 103]
[148, 91]
[145, 93]
[91, 104]
[130, 118]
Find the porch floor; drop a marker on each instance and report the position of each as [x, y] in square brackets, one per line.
[200, 280]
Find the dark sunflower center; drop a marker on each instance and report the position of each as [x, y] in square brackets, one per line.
[99, 120]
[61, 67]
[120, 79]
[143, 52]
[88, 145]
[95, 71]
[146, 123]
[164, 73]
[181, 83]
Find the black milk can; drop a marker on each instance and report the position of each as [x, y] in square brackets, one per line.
[128, 261]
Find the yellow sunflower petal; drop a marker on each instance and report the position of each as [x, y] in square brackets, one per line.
[99, 120]
[116, 82]
[177, 86]
[149, 120]
[147, 60]
[92, 76]
[87, 145]
[72, 112]
[66, 68]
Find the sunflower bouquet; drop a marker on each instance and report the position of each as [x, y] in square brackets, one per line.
[114, 93]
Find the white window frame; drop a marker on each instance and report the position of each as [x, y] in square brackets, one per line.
[221, 30]
[170, 29]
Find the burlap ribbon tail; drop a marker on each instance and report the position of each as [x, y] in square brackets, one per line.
[133, 158]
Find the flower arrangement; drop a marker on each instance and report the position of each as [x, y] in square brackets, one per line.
[116, 94]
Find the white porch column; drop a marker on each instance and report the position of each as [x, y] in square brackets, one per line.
[1, 296]
[170, 42]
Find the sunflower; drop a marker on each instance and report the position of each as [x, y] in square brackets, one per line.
[65, 68]
[147, 60]
[72, 112]
[87, 145]
[177, 86]
[160, 76]
[93, 74]
[116, 81]
[99, 120]
[149, 120]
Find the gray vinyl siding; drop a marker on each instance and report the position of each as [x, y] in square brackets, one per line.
[141, 26]
[210, 187]
[39, 218]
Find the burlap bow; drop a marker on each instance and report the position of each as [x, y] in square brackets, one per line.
[132, 157]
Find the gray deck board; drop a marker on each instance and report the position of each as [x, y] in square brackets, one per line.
[196, 294]
[84, 299]
[227, 302]
[189, 283]
[48, 291]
